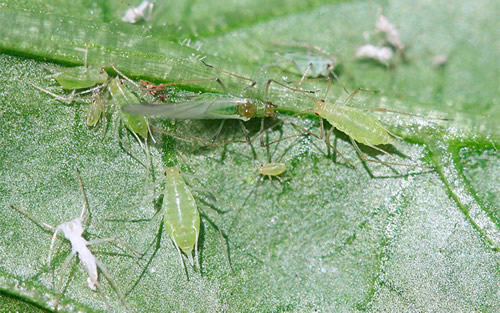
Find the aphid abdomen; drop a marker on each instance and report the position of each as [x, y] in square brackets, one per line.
[94, 111]
[81, 77]
[123, 96]
[73, 231]
[181, 216]
[271, 169]
[355, 123]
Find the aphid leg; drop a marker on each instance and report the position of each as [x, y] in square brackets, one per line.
[252, 82]
[117, 133]
[52, 244]
[101, 294]
[112, 284]
[364, 157]
[153, 255]
[266, 94]
[260, 133]
[196, 252]
[245, 130]
[223, 237]
[84, 195]
[304, 75]
[150, 132]
[116, 241]
[327, 141]
[217, 133]
[322, 136]
[61, 279]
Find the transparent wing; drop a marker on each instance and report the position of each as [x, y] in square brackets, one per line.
[197, 109]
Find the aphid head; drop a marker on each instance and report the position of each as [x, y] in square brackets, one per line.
[269, 109]
[170, 171]
[260, 169]
[319, 106]
[247, 110]
[72, 228]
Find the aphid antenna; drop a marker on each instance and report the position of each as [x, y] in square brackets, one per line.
[238, 211]
[303, 45]
[252, 82]
[409, 114]
[66, 100]
[126, 77]
[277, 63]
[327, 78]
[192, 81]
[70, 98]
[44, 226]
[85, 55]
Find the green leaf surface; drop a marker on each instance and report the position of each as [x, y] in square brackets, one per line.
[327, 238]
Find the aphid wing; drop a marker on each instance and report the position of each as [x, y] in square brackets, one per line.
[198, 109]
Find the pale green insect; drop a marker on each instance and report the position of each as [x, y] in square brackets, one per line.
[81, 77]
[215, 108]
[181, 215]
[85, 77]
[306, 60]
[95, 109]
[354, 122]
[358, 124]
[121, 96]
[271, 169]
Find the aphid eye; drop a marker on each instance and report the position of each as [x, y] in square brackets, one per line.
[317, 114]
[322, 101]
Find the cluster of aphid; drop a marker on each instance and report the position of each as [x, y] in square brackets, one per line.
[179, 209]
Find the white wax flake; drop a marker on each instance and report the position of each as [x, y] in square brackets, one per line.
[439, 60]
[391, 33]
[380, 54]
[142, 12]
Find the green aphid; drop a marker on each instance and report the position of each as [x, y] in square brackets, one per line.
[81, 77]
[95, 110]
[122, 95]
[180, 214]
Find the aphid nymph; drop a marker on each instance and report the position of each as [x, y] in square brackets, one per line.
[181, 215]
